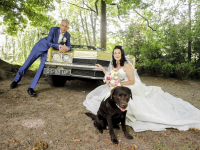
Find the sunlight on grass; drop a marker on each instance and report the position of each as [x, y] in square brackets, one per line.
[33, 67]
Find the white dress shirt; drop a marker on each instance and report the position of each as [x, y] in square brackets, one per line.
[60, 37]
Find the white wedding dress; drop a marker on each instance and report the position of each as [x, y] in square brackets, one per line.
[150, 109]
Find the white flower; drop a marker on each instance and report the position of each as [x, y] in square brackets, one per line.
[116, 77]
[118, 84]
[116, 73]
[112, 71]
[64, 39]
[112, 81]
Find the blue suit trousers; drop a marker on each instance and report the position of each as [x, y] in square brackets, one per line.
[29, 61]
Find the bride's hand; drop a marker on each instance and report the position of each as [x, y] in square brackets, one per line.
[99, 66]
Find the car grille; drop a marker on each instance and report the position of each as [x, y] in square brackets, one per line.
[91, 62]
[89, 73]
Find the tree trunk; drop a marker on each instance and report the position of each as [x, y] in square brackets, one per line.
[79, 37]
[189, 37]
[93, 22]
[83, 29]
[87, 31]
[103, 25]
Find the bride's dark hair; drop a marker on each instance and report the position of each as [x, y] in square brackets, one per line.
[123, 59]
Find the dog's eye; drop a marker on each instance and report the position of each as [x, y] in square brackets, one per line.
[125, 95]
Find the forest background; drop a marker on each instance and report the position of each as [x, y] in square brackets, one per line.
[163, 35]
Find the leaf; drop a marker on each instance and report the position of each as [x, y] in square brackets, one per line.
[60, 105]
[75, 139]
[41, 145]
[135, 146]
[14, 141]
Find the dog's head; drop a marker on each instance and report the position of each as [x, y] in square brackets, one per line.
[121, 95]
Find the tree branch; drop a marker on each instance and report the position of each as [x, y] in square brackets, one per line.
[96, 6]
[145, 19]
[89, 7]
[137, 13]
[81, 7]
[118, 11]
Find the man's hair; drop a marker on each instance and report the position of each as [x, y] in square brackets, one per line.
[65, 20]
[123, 59]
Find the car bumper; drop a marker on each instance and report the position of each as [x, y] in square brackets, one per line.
[69, 65]
[73, 70]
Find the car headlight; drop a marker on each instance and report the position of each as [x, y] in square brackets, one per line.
[66, 58]
[56, 56]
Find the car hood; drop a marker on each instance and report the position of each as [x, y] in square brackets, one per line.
[91, 54]
[84, 54]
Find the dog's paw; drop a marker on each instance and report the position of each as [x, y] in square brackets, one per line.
[114, 141]
[100, 130]
[128, 136]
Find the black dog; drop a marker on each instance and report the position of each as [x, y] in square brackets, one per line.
[112, 111]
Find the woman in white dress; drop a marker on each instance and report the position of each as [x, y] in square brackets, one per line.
[150, 108]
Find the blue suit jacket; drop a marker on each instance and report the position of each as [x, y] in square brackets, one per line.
[52, 40]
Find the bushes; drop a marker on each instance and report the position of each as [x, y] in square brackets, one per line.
[195, 73]
[165, 69]
[183, 70]
[150, 67]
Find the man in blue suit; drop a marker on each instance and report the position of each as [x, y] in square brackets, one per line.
[59, 39]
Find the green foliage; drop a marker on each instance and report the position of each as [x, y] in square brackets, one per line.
[153, 67]
[167, 69]
[183, 70]
[195, 73]
[17, 49]
[18, 14]
[125, 5]
[140, 68]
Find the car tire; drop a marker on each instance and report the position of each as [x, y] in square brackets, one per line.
[57, 81]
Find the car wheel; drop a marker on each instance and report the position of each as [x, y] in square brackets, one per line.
[54, 80]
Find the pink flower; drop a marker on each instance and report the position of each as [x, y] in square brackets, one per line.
[112, 79]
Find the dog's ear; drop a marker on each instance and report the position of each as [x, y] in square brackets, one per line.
[129, 90]
[112, 92]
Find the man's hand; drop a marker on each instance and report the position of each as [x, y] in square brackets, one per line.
[63, 49]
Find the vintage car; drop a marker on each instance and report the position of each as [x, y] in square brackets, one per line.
[77, 63]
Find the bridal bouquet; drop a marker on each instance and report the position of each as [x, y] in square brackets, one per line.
[112, 79]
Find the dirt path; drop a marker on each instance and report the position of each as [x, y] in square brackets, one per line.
[56, 116]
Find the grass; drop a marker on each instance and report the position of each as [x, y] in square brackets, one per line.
[33, 67]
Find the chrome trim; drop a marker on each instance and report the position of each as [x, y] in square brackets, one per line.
[88, 77]
[65, 65]
[90, 58]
